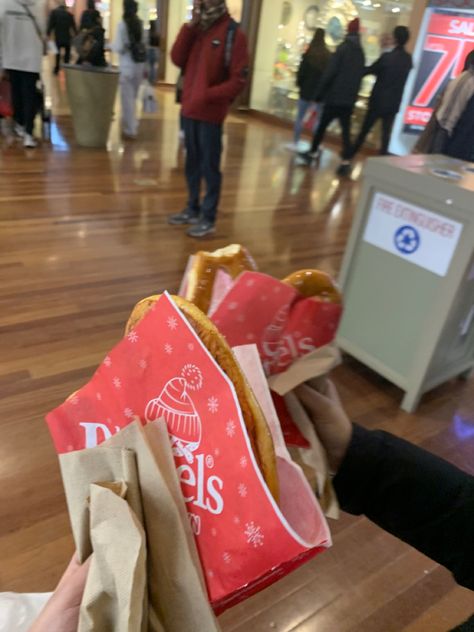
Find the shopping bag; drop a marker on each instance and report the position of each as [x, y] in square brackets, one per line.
[311, 118]
[6, 108]
[162, 370]
[150, 105]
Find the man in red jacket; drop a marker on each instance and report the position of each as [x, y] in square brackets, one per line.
[212, 54]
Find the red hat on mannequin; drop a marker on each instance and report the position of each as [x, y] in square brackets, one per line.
[354, 26]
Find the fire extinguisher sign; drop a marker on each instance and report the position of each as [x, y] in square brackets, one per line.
[448, 39]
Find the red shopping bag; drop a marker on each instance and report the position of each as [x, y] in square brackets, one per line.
[6, 108]
[162, 370]
[284, 325]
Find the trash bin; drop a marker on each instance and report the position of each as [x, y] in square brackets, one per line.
[92, 92]
[408, 273]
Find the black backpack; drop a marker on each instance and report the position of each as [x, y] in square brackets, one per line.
[137, 48]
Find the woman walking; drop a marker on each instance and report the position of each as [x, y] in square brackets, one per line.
[129, 44]
[313, 64]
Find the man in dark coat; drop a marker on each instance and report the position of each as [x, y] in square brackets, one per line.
[62, 24]
[339, 91]
[392, 70]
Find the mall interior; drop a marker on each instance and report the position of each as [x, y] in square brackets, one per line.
[84, 236]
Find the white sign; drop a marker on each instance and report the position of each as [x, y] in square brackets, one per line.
[412, 233]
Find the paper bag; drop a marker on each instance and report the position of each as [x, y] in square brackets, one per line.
[140, 458]
[162, 370]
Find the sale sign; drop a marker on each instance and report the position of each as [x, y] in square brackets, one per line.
[448, 38]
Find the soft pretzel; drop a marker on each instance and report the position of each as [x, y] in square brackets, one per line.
[314, 284]
[235, 259]
[257, 428]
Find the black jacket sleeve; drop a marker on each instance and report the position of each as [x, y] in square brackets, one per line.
[332, 69]
[413, 494]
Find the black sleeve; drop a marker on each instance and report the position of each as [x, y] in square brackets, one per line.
[332, 69]
[301, 72]
[413, 494]
[51, 22]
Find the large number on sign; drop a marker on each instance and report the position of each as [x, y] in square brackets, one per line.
[452, 54]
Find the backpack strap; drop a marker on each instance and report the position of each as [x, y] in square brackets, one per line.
[229, 42]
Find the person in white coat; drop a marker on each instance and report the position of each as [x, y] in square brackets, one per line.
[129, 44]
[22, 44]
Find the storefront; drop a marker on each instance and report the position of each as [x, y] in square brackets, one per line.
[286, 28]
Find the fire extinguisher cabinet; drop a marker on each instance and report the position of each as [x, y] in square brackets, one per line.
[408, 273]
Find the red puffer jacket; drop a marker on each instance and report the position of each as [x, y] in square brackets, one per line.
[209, 88]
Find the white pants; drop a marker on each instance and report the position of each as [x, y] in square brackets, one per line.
[131, 77]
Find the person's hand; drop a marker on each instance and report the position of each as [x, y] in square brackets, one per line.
[331, 423]
[196, 14]
[61, 613]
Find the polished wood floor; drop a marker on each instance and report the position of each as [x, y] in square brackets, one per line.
[83, 236]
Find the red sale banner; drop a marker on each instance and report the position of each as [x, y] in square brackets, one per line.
[161, 370]
[448, 38]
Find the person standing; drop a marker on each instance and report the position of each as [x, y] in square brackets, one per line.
[339, 91]
[211, 52]
[90, 16]
[392, 70]
[153, 53]
[62, 25]
[313, 64]
[129, 44]
[22, 45]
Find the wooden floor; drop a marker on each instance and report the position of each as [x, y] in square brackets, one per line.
[83, 236]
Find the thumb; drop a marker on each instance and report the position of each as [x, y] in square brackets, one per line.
[316, 404]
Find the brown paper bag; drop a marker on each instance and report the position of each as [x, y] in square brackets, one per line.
[177, 597]
[313, 461]
[114, 600]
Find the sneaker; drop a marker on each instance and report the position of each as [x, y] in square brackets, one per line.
[185, 217]
[309, 156]
[19, 130]
[344, 169]
[29, 142]
[202, 229]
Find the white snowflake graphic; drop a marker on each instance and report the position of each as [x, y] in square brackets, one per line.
[168, 348]
[236, 520]
[217, 452]
[254, 534]
[210, 574]
[107, 361]
[264, 298]
[227, 557]
[191, 346]
[233, 306]
[70, 448]
[277, 289]
[172, 323]
[230, 428]
[243, 461]
[129, 414]
[133, 336]
[242, 490]
[75, 400]
[240, 318]
[250, 336]
[143, 364]
[213, 405]
[250, 283]
[98, 397]
[117, 382]
[213, 532]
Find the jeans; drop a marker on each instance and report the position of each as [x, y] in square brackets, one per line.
[371, 117]
[25, 103]
[330, 113]
[303, 107]
[67, 55]
[203, 143]
[152, 60]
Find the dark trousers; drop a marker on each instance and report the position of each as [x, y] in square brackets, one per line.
[371, 117]
[67, 55]
[343, 114]
[24, 100]
[203, 143]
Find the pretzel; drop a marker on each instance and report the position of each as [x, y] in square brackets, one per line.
[234, 259]
[257, 428]
[315, 284]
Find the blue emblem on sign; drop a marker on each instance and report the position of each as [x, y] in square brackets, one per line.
[407, 240]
